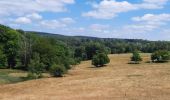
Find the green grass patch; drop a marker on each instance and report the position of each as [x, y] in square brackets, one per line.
[7, 78]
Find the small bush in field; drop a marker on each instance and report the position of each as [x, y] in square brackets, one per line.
[58, 70]
[136, 58]
[100, 60]
[160, 56]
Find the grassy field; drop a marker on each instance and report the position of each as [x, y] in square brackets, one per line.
[11, 76]
[117, 81]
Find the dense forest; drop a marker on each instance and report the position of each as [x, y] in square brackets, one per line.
[40, 52]
[113, 44]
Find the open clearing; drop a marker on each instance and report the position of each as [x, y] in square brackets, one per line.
[117, 81]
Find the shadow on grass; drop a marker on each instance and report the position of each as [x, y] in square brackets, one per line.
[97, 66]
[134, 75]
[133, 63]
[157, 62]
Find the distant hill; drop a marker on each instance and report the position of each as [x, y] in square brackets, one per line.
[83, 37]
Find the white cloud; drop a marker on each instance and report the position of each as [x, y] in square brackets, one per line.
[52, 24]
[60, 23]
[153, 18]
[152, 4]
[99, 27]
[147, 23]
[108, 9]
[67, 20]
[22, 7]
[23, 20]
[34, 16]
[156, 1]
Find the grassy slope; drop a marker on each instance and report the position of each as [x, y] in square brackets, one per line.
[119, 80]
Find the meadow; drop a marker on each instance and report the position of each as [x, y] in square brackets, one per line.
[116, 81]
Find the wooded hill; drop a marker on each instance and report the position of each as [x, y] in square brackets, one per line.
[116, 45]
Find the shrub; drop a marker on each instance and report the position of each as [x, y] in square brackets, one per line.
[160, 56]
[31, 76]
[78, 60]
[58, 70]
[100, 59]
[35, 67]
[136, 57]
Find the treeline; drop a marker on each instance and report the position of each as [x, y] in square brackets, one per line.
[41, 52]
[115, 45]
[32, 52]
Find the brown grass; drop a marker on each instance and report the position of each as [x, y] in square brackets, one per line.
[117, 81]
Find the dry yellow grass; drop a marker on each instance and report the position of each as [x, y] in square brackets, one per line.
[117, 81]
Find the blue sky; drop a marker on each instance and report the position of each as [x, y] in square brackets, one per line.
[134, 19]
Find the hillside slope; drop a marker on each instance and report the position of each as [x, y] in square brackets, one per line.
[119, 81]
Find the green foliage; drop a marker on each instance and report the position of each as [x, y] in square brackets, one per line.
[80, 53]
[25, 48]
[136, 57]
[92, 49]
[160, 56]
[35, 67]
[78, 60]
[88, 50]
[58, 70]
[17, 49]
[10, 39]
[100, 59]
[3, 60]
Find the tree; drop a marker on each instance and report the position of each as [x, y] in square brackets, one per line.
[11, 47]
[58, 70]
[136, 57]
[93, 48]
[3, 60]
[100, 59]
[160, 56]
[79, 52]
[25, 47]
[35, 67]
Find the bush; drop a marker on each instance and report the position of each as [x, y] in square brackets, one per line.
[78, 60]
[31, 76]
[136, 57]
[58, 70]
[160, 56]
[35, 67]
[100, 59]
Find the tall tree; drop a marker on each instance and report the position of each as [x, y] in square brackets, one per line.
[10, 40]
